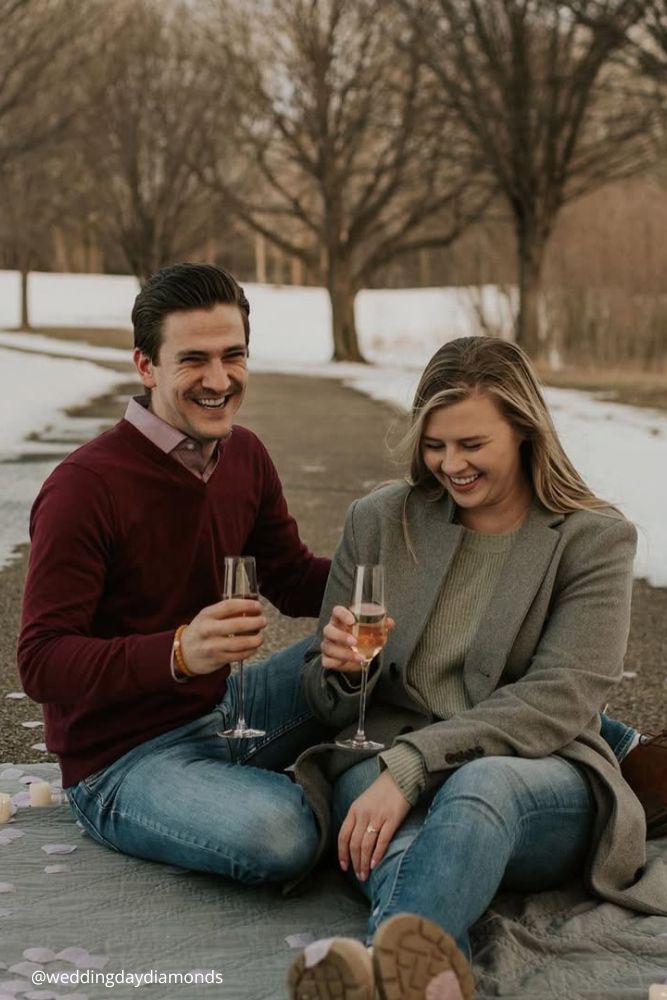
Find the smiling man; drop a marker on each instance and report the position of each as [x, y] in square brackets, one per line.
[125, 639]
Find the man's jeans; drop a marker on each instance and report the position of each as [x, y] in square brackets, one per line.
[184, 797]
[497, 822]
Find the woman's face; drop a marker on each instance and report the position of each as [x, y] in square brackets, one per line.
[475, 453]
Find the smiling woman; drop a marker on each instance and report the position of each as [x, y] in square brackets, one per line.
[510, 583]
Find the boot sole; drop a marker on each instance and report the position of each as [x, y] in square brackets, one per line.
[345, 973]
[409, 951]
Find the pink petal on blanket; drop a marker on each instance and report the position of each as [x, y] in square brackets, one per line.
[58, 848]
[73, 954]
[25, 968]
[39, 955]
[16, 695]
[39, 746]
[56, 869]
[32, 724]
[7, 887]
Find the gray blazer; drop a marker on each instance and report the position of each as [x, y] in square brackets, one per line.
[549, 649]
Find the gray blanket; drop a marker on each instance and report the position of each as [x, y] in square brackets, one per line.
[94, 914]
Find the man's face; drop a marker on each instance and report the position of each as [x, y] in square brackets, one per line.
[199, 380]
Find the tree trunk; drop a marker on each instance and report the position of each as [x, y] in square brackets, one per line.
[529, 327]
[342, 293]
[25, 304]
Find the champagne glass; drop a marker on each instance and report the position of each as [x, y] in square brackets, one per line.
[370, 631]
[241, 582]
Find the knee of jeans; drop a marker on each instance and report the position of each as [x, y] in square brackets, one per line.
[490, 784]
[286, 845]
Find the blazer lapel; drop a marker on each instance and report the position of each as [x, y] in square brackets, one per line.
[413, 584]
[519, 582]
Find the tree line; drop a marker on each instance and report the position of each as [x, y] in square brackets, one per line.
[349, 134]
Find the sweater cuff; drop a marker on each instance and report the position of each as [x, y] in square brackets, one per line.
[406, 766]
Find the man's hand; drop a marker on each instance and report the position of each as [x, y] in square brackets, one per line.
[223, 633]
[370, 824]
[339, 647]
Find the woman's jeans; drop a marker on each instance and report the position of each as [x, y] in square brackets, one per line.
[496, 822]
[194, 799]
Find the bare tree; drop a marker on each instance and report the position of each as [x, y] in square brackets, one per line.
[532, 83]
[348, 161]
[138, 138]
[41, 51]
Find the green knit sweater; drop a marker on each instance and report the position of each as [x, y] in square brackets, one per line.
[435, 670]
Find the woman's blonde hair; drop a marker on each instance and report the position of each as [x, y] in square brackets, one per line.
[503, 371]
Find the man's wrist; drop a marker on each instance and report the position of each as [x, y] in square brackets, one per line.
[179, 668]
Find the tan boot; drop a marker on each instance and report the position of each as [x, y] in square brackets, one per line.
[334, 969]
[409, 954]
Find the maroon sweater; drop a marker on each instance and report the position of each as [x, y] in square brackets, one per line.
[126, 546]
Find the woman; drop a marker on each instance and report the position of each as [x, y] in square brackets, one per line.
[510, 583]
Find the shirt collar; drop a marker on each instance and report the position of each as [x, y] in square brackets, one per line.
[169, 439]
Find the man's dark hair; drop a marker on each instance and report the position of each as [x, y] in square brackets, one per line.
[179, 288]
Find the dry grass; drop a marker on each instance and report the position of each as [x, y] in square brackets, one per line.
[636, 388]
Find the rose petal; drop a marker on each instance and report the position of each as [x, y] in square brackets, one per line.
[58, 848]
[39, 746]
[25, 968]
[32, 724]
[73, 954]
[10, 773]
[16, 695]
[10, 833]
[39, 955]
[54, 869]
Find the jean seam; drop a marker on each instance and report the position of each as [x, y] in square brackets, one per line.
[85, 821]
[265, 742]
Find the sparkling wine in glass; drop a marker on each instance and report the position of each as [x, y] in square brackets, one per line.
[370, 631]
[241, 582]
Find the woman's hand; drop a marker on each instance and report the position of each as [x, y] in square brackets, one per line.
[370, 824]
[339, 651]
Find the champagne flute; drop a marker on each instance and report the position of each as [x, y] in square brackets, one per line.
[241, 582]
[370, 631]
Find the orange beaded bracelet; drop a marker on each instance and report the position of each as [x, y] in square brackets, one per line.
[182, 666]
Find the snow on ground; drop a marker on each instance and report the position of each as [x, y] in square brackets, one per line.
[619, 450]
[36, 389]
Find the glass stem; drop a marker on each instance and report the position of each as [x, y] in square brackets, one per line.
[360, 735]
[240, 722]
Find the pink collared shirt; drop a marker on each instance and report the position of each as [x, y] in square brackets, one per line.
[171, 441]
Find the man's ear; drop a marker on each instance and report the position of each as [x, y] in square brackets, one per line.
[144, 366]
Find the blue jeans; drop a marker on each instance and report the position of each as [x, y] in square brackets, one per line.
[193, 799]
[496, 822]
[618, 736]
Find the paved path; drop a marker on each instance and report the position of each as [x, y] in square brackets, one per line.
[328, 443]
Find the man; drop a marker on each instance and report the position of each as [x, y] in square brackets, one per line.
[125, 639]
